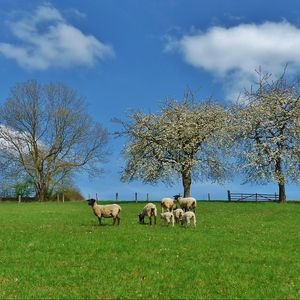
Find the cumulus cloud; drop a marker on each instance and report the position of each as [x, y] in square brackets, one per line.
[233, 54]
[45, 39]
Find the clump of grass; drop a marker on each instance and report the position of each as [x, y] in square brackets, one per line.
[55, 250]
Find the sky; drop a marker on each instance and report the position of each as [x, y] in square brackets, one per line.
[132, 54]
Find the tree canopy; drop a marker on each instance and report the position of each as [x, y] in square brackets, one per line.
[268, 133]
[182, 141]
[47, 134]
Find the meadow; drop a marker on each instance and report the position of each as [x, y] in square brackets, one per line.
[237, 250]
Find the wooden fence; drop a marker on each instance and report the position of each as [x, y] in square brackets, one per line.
[257, 197]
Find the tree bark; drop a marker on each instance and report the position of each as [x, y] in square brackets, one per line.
[280, 177]
[41, 192]
[282, 195]
[186, 181]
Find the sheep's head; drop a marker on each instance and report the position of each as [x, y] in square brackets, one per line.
[175, 204]
[91, 201]
[177, 196]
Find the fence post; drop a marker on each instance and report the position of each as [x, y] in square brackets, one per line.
[96, 196]
[117, 196]
[208, 196]
[147, 197]
[229, 195]
[256, 197]
[135, 196]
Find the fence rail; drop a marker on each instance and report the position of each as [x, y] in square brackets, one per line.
[252, 197]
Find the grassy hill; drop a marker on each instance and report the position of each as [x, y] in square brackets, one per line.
[238, 250]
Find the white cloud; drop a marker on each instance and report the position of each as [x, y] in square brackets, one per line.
[233, 54]
[45, 39]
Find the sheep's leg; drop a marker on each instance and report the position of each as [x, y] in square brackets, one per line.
[118, 218]
[114, 221]
[150, 218]
[99, 219]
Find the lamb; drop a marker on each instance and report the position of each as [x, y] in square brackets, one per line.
[188, 203]
[168, 217]
[150, 211]
[105, 211]
[178, 214]
[187, 217]
[168, 204]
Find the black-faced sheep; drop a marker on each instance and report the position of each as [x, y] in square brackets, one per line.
[188, 203]
[105, 211]
[187, 217]
[168, 217]
[167, 204]
[150, 211]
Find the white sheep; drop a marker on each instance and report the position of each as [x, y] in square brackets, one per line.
[168, 217]
[105, 211]
[188, 203]
[187, 217]
[178, 214]
[150, 211]
[167, 204]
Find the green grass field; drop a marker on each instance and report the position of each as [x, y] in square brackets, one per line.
[55, 250]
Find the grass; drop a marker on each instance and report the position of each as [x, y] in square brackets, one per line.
[238, 250]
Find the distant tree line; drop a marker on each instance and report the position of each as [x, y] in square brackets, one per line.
[47, 136]
[195, 140]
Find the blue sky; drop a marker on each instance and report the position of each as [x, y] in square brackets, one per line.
[131, 54]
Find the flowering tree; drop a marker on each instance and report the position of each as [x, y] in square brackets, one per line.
[269, 133]
[181, 141]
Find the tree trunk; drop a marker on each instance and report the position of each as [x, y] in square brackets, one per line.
[282, 196]
[41, 193]
[186, 181]
[280, 177]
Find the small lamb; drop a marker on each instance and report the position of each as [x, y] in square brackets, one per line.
[168, 217]
[105, 211]
[178, 214]
[187, 217]
[167, 204]
[150, 211]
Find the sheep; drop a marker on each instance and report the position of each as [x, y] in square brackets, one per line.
[187, 217]
[149, 210]
[178, 214]
[105, 211]
[168, 217]
[188, 203]
[168, 204]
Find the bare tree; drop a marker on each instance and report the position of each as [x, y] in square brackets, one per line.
[268, 128]
[182, 140]
[47, 134]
